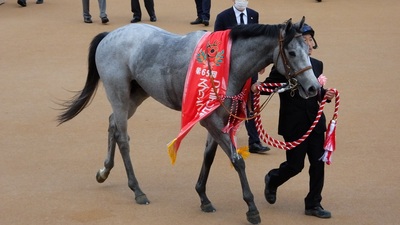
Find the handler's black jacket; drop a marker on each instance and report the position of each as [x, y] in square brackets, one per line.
[297, 114]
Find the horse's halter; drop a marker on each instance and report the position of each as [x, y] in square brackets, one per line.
[290, 74]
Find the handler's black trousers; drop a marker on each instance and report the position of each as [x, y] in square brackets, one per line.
[313, 148]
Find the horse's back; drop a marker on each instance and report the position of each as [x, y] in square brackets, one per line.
[156, 59]
[146, 39]
[131, 39]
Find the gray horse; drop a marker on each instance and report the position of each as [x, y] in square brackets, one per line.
[137, 61]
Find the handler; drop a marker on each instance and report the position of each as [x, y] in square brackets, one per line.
[296, 115]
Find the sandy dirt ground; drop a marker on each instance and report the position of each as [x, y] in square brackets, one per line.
[47, 173]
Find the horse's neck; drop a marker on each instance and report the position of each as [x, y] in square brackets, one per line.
[248, 57]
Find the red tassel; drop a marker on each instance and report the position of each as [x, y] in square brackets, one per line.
[330, 142]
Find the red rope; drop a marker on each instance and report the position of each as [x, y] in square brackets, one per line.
[288, 145]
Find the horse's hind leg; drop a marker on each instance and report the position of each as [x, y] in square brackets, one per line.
[124, 99]
[103, 173]
[209, 154]
[119, 122]
[140, 196]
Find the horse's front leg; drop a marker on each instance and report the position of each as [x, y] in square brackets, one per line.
[253, 216]
[103, 173]
[214, 125]
[209, 154]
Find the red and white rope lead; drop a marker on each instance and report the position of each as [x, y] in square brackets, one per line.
[266, 87]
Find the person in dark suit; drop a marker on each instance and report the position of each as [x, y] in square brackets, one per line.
[137, 12]
[230, 17]
[238, 14]
[295, 117]
[203, 8]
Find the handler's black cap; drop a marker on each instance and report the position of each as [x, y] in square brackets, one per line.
[307, 29]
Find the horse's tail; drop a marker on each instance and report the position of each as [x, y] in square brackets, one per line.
[76, 104]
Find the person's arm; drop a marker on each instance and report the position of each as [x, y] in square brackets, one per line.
[256, 17]
[274, 77]
[219, 24]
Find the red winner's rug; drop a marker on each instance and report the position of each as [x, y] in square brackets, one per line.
[212, 53]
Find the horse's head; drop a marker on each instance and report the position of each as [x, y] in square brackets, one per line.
[291, 58]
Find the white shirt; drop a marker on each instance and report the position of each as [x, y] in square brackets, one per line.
[237, 14]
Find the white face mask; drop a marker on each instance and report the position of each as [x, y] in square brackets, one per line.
[241, 4]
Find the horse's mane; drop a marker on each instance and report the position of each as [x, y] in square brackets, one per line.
[255, 30]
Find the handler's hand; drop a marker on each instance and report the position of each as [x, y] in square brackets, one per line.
[254, 88]
[330, 94]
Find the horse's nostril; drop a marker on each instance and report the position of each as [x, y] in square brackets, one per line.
[312, 90]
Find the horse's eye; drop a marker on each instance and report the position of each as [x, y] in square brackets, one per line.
[292, 54]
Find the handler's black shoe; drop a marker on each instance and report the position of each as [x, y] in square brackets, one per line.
[269, 191]
[318, 212]
[258, 148]
[197, 21]
[206, 22]
[39, 2]
[135, 20]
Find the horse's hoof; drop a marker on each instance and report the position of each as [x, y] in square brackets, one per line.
[142, 200]
[207, 208]
[253, 217]
[101, 176]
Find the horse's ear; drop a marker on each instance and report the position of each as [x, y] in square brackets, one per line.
[302, 20]
[289, 25]
[301, 23]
